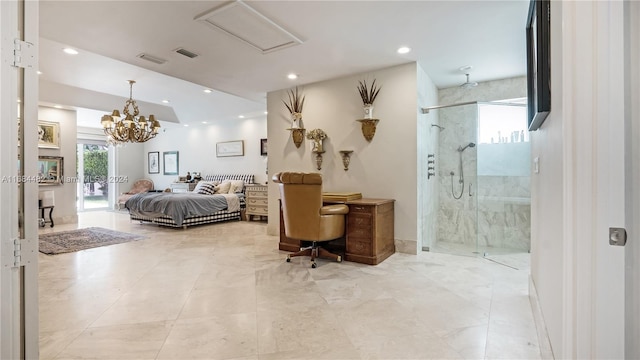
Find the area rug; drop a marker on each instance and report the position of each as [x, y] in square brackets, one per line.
[82, 239]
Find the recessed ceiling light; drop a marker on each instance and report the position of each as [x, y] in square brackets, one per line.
[70, 51]
[241, 116]
[57, 106]
[204, 122]
[292, 76]
[186, 125]
[403, 49]
[208, 91]
[165, 101]
[39, 72]
[266, 112]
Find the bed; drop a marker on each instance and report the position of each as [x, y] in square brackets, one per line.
[188, 209]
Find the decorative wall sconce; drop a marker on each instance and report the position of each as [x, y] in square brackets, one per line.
[346, 158]
[368, 128]
[298, 135]
[318, 159]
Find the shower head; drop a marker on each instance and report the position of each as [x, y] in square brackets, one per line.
[461, 149]
[468, 84]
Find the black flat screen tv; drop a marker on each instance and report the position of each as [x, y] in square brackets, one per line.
[538, 63]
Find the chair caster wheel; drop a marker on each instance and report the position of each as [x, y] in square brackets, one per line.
[339, 259]
[314, 265]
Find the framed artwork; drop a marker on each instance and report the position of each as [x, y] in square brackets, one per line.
[48, 135]
[230, 148]
[263, 147]
[170, 162]
[538, 63]
[154, 162]
[50, 170]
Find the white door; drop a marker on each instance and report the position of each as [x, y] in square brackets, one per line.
[18, 184]
[632, 179]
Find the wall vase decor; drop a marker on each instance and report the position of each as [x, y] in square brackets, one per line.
[318, 159]
[368, 111]
[294, 104]
[296, 120]
[346, 158]
[368, 128]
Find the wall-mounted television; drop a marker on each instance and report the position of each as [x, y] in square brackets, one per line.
[538, 63]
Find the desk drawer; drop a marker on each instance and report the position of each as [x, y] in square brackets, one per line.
[361, 209]
[358, 246]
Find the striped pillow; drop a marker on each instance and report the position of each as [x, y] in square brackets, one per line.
[207, 189]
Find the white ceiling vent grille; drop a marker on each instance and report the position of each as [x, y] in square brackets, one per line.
[186, 53]
[249, 26]
[153, 59]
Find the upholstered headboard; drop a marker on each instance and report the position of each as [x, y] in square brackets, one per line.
[248, 179]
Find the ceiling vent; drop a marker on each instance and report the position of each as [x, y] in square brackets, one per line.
[186, 53]
[244, 23]
[153, 59]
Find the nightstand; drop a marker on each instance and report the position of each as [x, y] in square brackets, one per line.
[182, 187]
[257, 197]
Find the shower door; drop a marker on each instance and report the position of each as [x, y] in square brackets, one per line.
[456, 159]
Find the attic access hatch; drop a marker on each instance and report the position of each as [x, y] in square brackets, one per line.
[244, 23]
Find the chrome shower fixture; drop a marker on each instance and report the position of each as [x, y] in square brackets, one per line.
[438, 126]
[461, 149]
[468, 84]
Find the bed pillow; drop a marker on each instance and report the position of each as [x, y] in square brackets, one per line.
[237, 186]
[205, 189]
[202, 183]
[223, 188]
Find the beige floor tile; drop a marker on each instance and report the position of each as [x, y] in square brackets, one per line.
[217, 337]
[137, 341]
[224, 291]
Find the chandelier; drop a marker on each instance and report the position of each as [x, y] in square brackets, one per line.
[132, 128]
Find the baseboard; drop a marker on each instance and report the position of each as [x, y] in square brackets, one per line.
[546, 352]
[406, 246]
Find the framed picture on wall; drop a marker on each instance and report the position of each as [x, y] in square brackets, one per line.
[50, 170]
[154, 162]
[170, 162]
[230, 148]
[48, 135]
[538, 63]
[263, 147]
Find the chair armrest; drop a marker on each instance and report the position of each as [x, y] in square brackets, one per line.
[339, 209]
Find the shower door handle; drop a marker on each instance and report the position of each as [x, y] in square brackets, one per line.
[470, 189]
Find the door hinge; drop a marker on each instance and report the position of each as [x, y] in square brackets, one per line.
[617, 236]
[17, 253]
[24, 54]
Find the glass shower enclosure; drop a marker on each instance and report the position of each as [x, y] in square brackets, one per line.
[483, 180]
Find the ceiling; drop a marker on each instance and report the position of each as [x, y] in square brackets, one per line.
[338, 38]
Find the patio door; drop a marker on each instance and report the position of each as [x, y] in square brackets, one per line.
[93, 170]
[18, 186]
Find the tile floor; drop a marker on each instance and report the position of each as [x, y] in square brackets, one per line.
[224, 291]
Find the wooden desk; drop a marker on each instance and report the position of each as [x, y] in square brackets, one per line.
[369, 231]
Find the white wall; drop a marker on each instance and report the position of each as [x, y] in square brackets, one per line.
[65, 194]
[129, 166]
[196, 146]
[547, 197]
[382, 168]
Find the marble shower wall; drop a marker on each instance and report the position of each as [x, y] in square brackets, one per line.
[497, 214]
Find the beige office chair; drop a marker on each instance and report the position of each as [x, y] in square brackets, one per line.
[304, 216]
